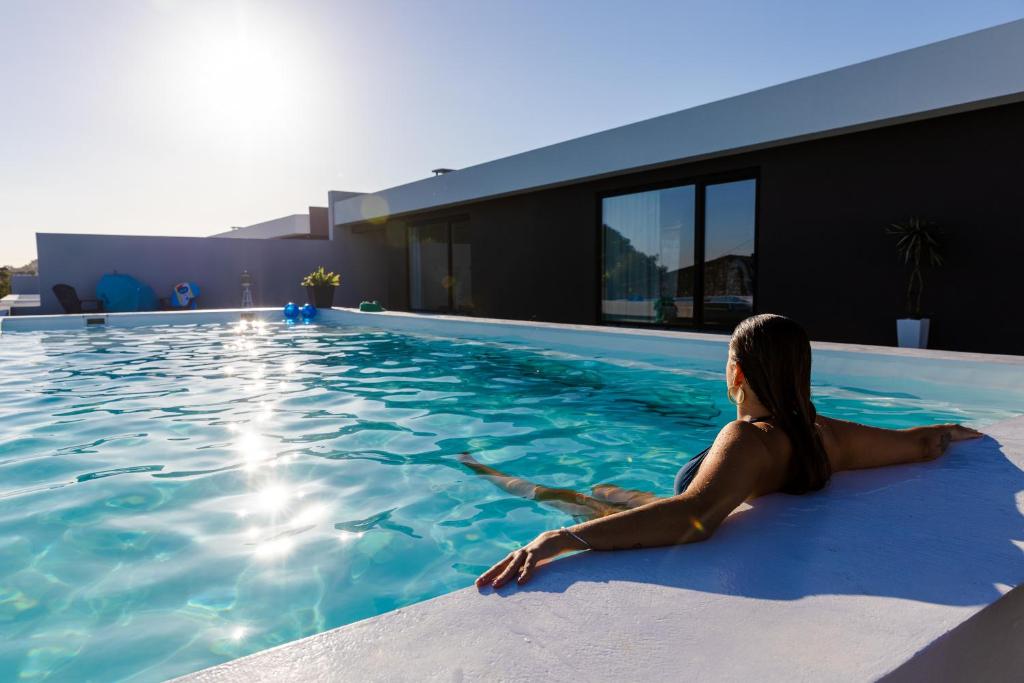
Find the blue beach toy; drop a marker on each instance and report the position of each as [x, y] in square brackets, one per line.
[308, 312]
[123, 293]
[185, 295]
[291, 311]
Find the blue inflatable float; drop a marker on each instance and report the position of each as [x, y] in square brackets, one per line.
[124, 294]
[308, 312]
[291, 311]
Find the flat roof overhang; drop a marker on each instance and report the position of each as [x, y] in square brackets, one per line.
[973, 71]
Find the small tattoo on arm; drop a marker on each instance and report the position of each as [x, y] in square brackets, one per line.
[944, 441]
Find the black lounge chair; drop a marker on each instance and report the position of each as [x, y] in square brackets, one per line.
[69, 301]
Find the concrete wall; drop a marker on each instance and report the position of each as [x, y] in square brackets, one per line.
[319, 228]
[215, 264]
[24, 284]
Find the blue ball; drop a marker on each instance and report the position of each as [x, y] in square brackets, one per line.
[308, 312]
[291, 311]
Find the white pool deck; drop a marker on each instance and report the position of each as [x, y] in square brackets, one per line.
[903, 573]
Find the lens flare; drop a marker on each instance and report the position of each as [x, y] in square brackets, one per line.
[374, 208]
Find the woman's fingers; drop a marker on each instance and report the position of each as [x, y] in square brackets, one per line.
[527, 569]
[514, 563]
[488, 575]
[959, 433]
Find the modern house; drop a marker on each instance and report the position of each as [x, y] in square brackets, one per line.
[772, 201]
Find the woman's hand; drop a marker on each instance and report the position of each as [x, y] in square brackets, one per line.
[523, 562]
[938, 438]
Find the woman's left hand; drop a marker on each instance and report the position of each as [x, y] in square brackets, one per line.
[523, 562]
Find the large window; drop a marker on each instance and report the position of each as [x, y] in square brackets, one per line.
[729, 252]
[439, 267]
[679, 256]
[648, 256]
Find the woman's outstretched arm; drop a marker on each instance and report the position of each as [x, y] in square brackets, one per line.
[728, 476]
[860, 446]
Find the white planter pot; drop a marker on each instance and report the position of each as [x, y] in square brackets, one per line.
[912, 333]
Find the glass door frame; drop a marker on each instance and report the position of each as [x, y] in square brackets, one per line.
[700, 183]
[448, 221]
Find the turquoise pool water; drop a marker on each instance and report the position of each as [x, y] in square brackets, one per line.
[174, 497]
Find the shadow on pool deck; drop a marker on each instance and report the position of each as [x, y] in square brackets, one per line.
[945, 532]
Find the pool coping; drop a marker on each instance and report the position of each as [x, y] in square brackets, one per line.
[718, 611]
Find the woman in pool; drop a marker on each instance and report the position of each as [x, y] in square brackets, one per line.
[777, 443]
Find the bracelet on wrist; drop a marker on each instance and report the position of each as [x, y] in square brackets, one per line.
[575, 536]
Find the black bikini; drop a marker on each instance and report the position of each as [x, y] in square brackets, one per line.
[688, 472]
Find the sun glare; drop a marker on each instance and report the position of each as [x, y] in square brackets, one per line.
[239, 74]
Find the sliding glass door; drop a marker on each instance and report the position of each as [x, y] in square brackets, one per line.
[648, 241]
[680, 255]
[439, 267]
[729, 252]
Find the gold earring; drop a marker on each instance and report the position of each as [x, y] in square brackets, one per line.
[739, 399]
[740, 396]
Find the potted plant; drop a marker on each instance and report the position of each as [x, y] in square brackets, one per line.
[320, 286]
[917, 245]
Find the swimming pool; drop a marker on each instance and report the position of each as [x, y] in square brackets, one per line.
[177, 496]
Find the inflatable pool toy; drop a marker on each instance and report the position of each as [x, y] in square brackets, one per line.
[185, 295]
[370, 307]
[291, 311]
[308, 312]
[122, 293]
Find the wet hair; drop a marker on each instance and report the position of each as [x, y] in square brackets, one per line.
[774, 354]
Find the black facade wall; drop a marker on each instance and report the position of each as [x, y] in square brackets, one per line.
[823, 257]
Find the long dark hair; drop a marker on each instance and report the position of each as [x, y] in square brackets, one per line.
[774, 354]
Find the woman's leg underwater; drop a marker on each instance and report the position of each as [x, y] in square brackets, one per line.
[568, 501]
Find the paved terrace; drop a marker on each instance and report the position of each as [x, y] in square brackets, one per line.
[903, 573]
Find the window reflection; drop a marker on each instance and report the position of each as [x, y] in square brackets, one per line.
[428, 267]
[729, 252]
[650, 265]
[648, 256]
[440, 267]
[461, 280]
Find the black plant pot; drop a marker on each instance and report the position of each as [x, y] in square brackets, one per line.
[321, 296]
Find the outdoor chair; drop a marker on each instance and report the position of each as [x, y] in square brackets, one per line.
[69, 301]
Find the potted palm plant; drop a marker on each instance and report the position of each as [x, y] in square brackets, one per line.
[320, 286]
[917, 245]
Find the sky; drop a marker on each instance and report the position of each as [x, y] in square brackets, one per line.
[187, 117]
